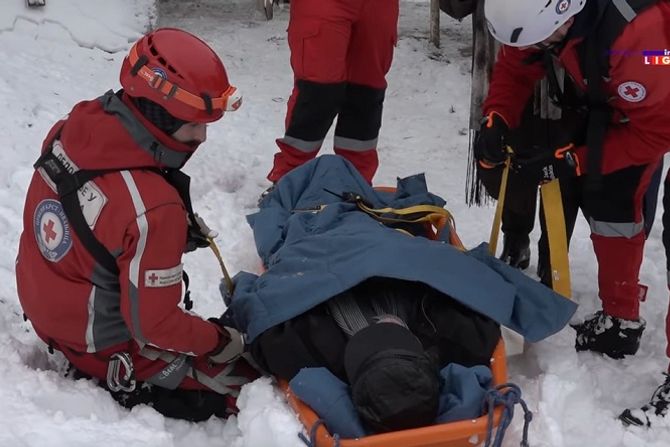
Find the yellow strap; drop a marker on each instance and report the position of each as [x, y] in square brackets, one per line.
[409, 210]
[226, 276]
[430, 213]
[558, 241]
[438, 217]
[495, 228]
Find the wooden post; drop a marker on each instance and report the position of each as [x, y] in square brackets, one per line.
[484, 49]
[434, 29]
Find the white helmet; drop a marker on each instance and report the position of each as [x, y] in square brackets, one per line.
[522, 23]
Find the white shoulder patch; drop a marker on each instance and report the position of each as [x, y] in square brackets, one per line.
[92, 201]
[163, 278]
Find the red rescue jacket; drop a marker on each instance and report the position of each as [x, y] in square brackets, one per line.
[73, 302]
[638, 93]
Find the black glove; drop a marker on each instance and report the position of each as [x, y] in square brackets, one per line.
[198, 235]
[549, 165]
[489, 147]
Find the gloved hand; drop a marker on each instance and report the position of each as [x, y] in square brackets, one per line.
[548, 166]
[489, 148]
[231, 344]
[198, 234]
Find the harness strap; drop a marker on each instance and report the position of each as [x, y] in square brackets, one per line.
[67, 184]
[437, 217]
[557, 236]
[497, 218]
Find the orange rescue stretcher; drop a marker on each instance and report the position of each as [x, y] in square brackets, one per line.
[466, 433]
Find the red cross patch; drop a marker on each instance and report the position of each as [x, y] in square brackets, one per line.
[632, 91]
[52, 230]
[163, 277]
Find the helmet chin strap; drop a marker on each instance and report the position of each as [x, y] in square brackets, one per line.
[545, 46]
[553, 46]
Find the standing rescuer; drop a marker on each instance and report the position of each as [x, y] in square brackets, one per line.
[106, 220]
[340, 54]
[600, 45]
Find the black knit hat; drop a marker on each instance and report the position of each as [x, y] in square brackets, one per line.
[394, 384]
[158, 116]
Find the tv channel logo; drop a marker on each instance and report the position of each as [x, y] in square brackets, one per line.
[656, 57]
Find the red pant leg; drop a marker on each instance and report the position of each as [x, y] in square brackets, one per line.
[373, 39]
[319, 37]
[617, 232]
[619, 261]
[369, 58]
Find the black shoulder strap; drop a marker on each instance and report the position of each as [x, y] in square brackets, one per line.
[595, 64]
[67, 184]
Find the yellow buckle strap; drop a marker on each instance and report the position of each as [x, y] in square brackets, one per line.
[558, 241]
[497, 218]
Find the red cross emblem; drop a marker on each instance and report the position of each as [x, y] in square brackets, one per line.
[49, 232]
[632, 91]
[153, 278]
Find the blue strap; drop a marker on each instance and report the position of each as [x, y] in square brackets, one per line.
[507, 395]
[311, 442]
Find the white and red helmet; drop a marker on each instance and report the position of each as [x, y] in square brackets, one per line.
[522, 23]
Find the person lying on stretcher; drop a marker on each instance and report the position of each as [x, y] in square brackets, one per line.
[404, 325]
[388, 340]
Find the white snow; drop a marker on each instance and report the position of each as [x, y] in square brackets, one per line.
[72, 50]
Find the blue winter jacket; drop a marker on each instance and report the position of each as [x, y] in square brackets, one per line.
[314, 246]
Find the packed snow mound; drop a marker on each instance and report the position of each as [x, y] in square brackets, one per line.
[108, 25]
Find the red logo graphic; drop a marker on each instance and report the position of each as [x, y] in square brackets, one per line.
[49, 232]
[153, 278]
[632, 91]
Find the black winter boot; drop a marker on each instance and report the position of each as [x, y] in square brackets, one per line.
[614, 337]
[659, 404]
[516, 251]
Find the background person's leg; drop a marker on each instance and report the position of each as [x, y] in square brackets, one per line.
[318, 36]
[369, 59]
[615, 216]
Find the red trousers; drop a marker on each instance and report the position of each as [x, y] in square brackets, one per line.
[615, 214]
[341, 51]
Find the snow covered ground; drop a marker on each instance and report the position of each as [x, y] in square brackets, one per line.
[72, 50]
